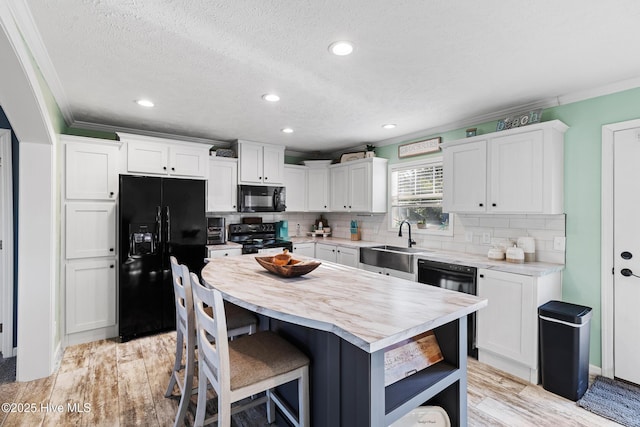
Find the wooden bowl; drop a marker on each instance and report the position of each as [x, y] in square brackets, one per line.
[295, 267]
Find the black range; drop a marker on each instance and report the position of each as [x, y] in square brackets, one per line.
[254, 237]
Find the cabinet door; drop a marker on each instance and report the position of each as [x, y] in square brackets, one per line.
[318, 189]
[326, 252]
[306, 249]
[339, 194]
[221, 253]
[505, 326]
[222, 186]
[273, 165]
[90, 295]
[250, 156]
[90, 229]
[465, 177]
[348, 256]
[91, 171]
[295, 182]
[184, 161]
[360, 187]
[516, 173]
[146, 157]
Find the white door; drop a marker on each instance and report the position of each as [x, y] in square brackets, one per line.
[626, 236]
[91, 171]
[318, 189]
[326, 252]
[360, 187]
[185, 161]
[147, 157]
[273, 165]
[295, 182]
[6, 254]
[90, 295]
[339, 194]
[222, 185]
[465, 177]
[90, 229]
[250, 158]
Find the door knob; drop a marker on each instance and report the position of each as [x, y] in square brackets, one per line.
[626, 255]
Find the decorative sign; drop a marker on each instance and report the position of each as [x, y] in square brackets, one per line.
[519, 120]
[419, 147]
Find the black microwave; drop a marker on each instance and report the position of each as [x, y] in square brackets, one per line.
[261, 198]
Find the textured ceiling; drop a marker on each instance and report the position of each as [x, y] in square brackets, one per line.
[417, 63]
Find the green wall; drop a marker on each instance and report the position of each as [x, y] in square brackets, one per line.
[582, 183]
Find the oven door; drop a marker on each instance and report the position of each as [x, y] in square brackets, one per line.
[260, 198]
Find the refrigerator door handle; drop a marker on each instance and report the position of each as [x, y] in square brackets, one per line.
[158, 234]
[168, 224]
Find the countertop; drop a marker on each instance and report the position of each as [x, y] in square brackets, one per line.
[366, 309]
[534, 269]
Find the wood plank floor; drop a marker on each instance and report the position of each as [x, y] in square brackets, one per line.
[124, 384]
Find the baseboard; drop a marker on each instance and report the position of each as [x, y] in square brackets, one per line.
[15, 351]
[57, 356]
[595, 370]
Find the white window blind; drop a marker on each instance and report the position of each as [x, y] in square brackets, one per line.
[416, 187]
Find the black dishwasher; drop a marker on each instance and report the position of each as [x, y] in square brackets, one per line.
[455, 277]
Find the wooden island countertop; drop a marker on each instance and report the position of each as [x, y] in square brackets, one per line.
[369, 310]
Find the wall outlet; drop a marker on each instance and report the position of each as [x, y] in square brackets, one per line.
[468, 236]
[486, 238]
[559, 243]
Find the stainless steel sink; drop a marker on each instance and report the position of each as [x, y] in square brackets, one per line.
[394, 257]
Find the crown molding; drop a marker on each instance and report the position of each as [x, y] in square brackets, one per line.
[607, 89]
[24, 20]
[139, 132]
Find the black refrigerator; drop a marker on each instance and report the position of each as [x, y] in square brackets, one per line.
[158, 217]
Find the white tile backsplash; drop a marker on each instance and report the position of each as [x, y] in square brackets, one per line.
[374, 227]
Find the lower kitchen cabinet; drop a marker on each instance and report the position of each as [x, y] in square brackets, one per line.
[90, 295]
[389, 272]
[508, 326]
[306, 249]
[220, 253]
[339, 254]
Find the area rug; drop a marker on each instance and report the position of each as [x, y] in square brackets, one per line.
[7, 370]
[615, 400]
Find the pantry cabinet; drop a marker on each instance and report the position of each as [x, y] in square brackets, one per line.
[90, 295]
[515, 171]
[90, 229]
[164, 157]
[340, 254]
[295, 182]
[508, 326]
[91, 169]
[359, 186]
[260, 164]
[222, 185]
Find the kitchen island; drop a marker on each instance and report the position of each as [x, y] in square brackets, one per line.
[344, 319]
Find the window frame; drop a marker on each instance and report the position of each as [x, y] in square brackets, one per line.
[415, 164]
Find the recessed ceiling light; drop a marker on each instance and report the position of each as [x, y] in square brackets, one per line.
[389, 126]
[341, 48]
[287, 130]
[271, 97]
[144, 103]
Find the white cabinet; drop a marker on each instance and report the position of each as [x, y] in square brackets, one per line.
[340, 254]
[306, 249]
[260, 163]
[221, 253]
[222, 185]
[508, 326]
[389, 272]
[318, 189]
[157, 156]
[91, 169]
[359, 186]
[515, 171]
[90, 229]
[90, 295]
[295, 182]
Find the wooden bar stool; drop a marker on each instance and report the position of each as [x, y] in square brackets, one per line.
[241, 322]
[245, 366]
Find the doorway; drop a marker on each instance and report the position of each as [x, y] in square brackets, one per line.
[620, 250]
[6, 248]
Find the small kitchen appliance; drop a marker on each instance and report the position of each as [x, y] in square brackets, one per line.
[261, 198]
[282, 230]
[216, 233]
[528, 245]
[255, 238]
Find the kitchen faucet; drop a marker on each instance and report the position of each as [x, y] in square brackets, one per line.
[411, 241]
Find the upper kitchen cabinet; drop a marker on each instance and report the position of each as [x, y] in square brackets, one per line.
[260, 164]
[318, 188]
[157, 156]
[514, 171]
[91, 168]
[295, 182]
[222, 185]
[359, 186]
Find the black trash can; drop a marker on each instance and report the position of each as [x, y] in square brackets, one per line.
[564, 348]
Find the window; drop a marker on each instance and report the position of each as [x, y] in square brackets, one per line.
[416, 196]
